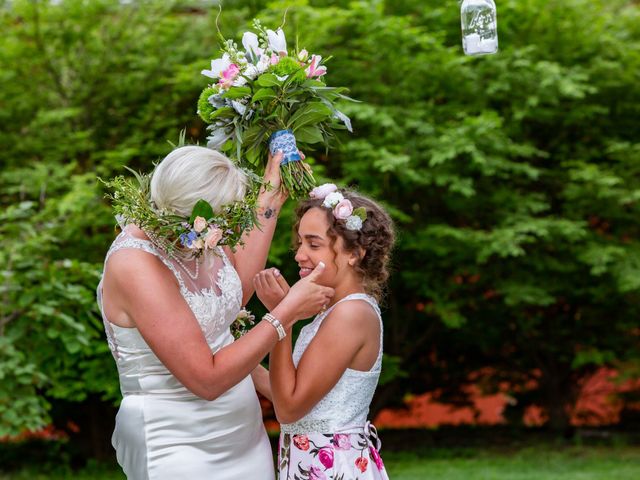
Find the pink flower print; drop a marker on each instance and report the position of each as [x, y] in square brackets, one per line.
[228, 76]
[362, 463]
[375, 456]
[325, 455]
[315, 473]
[301, 442]
[342, 441]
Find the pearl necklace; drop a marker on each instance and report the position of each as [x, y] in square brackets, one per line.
[162, 244]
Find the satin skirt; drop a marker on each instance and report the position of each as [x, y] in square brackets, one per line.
[170, 437]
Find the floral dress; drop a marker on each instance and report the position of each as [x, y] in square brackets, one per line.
[334, 441]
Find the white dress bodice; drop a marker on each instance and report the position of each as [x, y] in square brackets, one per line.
[346, 406]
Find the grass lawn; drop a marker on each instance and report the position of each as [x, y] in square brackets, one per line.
[529, 463]
[538, 463]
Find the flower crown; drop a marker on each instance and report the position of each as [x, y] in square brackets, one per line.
[202, 230]
[341, 207]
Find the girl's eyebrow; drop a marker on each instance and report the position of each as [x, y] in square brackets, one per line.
[312, 237]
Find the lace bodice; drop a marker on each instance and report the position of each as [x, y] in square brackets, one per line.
[215, 300]
[347, 403]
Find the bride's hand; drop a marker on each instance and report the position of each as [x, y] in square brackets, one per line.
[307, 297]
[272, 176]
[271, 287]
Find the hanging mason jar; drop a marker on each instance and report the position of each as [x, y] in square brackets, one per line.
[479, 27]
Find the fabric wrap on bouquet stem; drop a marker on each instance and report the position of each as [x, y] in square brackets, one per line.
[285, 140]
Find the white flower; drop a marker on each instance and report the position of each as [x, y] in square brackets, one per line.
[217, 137]
[238, 107]
[353, 222]
[217, 67]
[277, 41]
[332, 199]
[239, 81]
[303, 55]
[250, 43]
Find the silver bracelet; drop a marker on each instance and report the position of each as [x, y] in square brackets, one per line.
[276, 324]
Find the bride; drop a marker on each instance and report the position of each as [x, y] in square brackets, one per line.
[189, 407]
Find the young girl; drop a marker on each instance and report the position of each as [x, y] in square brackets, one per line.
[322, 390]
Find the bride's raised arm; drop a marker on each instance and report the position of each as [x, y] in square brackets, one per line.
[251, 258]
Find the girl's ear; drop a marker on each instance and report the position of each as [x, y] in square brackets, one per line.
[357, 256]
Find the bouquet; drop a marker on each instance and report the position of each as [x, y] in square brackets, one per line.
[267, 97]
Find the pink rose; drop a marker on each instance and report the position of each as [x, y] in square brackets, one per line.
[323, 190]
[316, 474]
[325, 455]
[301, 442]
[343, 209]
[342, 441]
[362, 463]
[376, 458]
[213, 236]
[199, 224]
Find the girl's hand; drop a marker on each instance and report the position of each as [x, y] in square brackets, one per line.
[307, 297]
[271, 287]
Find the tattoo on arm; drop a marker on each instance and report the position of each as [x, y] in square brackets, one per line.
[268, 212]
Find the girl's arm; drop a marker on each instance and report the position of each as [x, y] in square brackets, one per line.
[145, 291]
[340, 338]
[260, 376]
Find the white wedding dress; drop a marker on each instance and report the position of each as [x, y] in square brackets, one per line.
[163, 431]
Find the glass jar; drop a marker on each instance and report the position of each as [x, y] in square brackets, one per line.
[479, 27]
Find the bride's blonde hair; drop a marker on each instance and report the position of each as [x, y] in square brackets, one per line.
[191, 173]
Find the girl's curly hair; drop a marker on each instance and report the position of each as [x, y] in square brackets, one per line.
[375, 238]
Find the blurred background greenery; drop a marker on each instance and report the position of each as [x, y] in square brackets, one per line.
[514, 181]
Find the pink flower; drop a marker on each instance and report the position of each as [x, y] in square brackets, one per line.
[343, 209]
[301, 442]
[362, 463]
[303, 55]
[199, 224]
[316, 474]
[228, 76]
[323, 190]
[342, 441]
[213, 236]
[274, 59]
[376, 458]
[314, 69]
[325, 455]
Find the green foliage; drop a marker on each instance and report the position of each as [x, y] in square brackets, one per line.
[513, 179]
